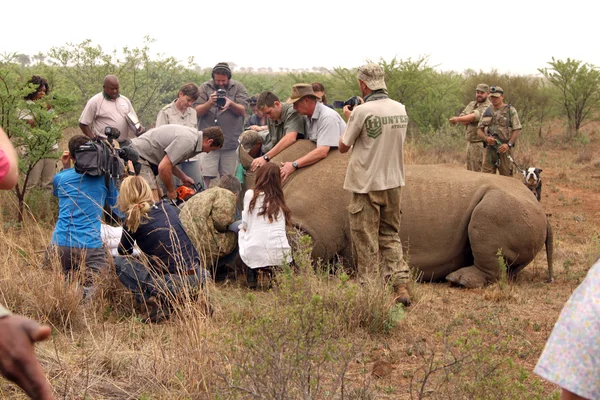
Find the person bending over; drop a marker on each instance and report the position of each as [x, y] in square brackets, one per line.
[169, 269]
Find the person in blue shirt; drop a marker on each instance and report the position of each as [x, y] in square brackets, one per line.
[76, 237]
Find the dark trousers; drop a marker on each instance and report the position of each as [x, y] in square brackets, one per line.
[145, 282]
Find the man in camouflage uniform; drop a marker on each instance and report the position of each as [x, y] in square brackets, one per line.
[500, 128]
[470, 117]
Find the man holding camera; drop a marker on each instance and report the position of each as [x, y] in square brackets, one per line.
[222, 102]
[284, 123]
[161, 149]
[500, 128]
[470, 118]
[376, 130]
[324, 126]
[76, 237]
[109, 109]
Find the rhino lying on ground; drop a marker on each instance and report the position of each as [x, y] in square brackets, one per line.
[454, 221]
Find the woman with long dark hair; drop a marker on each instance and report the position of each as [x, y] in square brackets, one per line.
[262, 236]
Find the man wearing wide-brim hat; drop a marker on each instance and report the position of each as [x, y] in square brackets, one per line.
[500, 128]
[470, 117]
[324, 126]
[376, 130]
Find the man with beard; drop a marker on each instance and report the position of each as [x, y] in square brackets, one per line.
[470, 117]
[226, 110]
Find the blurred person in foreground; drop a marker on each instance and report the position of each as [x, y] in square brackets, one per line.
[376, 132]
[18, 334]
[169, 269]
[571, 358]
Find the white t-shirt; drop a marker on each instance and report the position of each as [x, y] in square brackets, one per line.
[262, 243]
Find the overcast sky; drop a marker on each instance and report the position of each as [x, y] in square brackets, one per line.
[509, 35]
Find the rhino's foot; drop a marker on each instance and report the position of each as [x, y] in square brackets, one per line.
[469, 277]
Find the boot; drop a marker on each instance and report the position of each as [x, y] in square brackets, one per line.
[252, 278]
[401, 294]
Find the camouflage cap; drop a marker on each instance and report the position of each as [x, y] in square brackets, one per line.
[301, 90]
[372, 75]
[496, 91]
[482, 87]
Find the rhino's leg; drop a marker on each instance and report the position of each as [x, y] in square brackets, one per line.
[489, 230]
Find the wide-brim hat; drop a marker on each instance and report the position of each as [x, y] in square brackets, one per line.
[301, 90]
[372, 75]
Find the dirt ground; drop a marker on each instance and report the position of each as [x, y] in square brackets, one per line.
[450, 344]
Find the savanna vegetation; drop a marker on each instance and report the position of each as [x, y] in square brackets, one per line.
[316, 334]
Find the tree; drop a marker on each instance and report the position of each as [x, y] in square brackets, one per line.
[36, 141]
[577, 90]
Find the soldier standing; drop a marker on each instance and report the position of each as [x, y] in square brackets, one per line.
[500, 128]
[470, 117]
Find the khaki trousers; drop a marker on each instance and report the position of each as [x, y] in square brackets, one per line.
[42, 174]
[505, 167]
[474, 156]
[375, 228]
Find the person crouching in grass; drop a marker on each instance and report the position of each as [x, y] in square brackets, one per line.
[262, 236]
[169, 269]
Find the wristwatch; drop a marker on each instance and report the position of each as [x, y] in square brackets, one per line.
[510, 145]
[266, 157]
[295, 165]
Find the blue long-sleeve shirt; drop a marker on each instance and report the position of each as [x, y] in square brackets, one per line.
[80, 207]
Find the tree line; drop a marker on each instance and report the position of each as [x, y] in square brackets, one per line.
[568, 89]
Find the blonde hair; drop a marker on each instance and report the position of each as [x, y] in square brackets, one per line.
[135, 200]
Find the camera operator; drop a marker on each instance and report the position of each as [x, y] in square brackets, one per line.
[76, 237]
[222, 102]
[110, 108]
[161, 149]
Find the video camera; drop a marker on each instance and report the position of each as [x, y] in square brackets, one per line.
[351, 103]
[99, 157]
[221, 98]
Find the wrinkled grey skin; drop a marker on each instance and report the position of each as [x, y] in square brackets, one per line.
[454, 222]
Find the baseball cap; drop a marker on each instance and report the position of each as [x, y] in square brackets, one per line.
[482, 87]
[496, 91]
[372, 75]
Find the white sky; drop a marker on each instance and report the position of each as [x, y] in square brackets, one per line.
[515, 36]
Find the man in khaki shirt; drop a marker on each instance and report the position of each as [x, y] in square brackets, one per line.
[376, 130]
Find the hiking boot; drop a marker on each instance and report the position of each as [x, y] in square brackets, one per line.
[401, 294]
[155, 313]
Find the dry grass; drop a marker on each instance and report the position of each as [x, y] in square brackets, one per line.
[316, 334]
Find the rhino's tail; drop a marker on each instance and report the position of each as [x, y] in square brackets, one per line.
[549, 249]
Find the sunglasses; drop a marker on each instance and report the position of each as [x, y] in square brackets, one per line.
[494, 89]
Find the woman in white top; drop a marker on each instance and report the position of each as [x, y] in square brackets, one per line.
[262, 237]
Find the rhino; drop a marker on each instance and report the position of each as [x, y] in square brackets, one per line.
[455, 223]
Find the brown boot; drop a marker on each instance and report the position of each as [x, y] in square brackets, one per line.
[401, 294]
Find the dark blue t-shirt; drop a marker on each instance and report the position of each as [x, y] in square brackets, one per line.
[80, 207]
[163, 239]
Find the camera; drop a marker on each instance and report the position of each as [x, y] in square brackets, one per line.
[221, 99]
[111, 133]
[351, 103]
